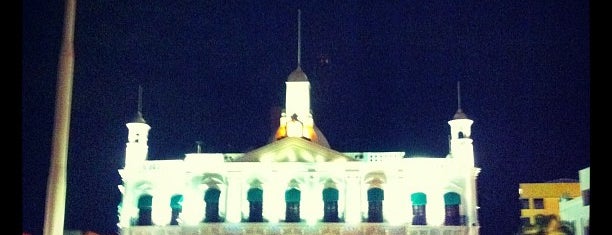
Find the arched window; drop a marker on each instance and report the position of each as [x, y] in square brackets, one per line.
[176, 203]
[375, 209]
[330, 203]
[452, 201]
[211, 197]
[145, 207]
[419, 201]
[292, 201]
[255, 198]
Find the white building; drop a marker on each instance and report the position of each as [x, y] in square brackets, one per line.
[297, 184]
[577, 210]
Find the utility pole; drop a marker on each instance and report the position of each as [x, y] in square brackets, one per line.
[55, 206]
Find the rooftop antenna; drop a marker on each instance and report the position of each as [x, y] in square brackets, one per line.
[199, 146]
[299, 38]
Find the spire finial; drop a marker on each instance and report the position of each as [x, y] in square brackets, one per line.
[140, 98]
[139, 118]
[458, 95]
[299, 38]
[459, 114]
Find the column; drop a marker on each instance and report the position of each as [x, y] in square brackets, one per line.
[352, 198]
[396, 197]
[273, 199]
[472, 201]
[233, 199]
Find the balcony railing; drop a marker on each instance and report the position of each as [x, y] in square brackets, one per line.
[299, 229]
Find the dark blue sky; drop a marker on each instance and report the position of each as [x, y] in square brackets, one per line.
[383, 75]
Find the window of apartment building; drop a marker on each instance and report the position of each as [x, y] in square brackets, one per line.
[538, 203]
[525, 203]
[525, 221]
[586, 197]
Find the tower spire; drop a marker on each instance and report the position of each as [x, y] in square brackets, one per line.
[299, 42]
[459, 114]
[458, 95]
[296, 119]
[139, 117]
[136, 150]
[139, 98]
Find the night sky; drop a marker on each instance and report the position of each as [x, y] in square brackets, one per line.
[383, 76]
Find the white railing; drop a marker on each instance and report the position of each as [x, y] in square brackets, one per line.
[299, 229]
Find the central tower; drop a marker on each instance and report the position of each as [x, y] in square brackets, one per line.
[296, 119]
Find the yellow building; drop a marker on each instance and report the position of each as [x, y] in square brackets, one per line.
[544, 198]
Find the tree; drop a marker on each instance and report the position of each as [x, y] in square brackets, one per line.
[548, 225]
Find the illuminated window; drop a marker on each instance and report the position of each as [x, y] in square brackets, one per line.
[538, 203]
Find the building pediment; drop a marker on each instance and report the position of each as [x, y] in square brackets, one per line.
[293, 149]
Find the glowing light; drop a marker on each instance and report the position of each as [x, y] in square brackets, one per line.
[282, 130]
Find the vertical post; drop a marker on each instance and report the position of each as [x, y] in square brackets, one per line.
[55, 205]
[233, 210]
[472, 201]
[352, 207]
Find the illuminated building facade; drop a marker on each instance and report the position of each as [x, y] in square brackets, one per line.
[577, 210]
[297, 184]
[543, 198]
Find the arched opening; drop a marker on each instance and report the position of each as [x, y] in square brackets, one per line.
[292, 209]
[255, 198]
[176, 204]
[211, 198]
[145, 207]
[419, 201]
[452, 201]
[330, 205]
[375, 207]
